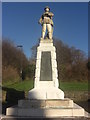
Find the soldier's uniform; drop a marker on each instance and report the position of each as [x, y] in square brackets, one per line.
[46, 22]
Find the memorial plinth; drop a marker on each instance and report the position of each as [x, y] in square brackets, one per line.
[46, 100]
[46, 75]
[46, 109]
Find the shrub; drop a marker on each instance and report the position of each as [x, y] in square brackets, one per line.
[9, 74]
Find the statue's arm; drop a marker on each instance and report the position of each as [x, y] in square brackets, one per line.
[40, 20]
[51, 14]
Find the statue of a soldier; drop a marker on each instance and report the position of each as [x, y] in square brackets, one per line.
[46, 22]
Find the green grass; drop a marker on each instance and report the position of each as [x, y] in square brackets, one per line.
[65, 86]
[74, 86]
[20, 86]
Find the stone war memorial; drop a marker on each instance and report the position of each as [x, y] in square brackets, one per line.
[46, 100]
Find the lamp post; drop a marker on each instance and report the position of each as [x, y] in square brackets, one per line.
[21, 48]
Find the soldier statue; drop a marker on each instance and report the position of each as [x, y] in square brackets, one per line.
[47, 22]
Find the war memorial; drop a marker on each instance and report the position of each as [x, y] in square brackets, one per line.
[46, 100]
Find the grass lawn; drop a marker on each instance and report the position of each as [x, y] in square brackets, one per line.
[65, 86]
[74, 86]
[20, 86]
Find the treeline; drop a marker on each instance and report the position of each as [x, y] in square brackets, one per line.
[15, 65]
[72, 63]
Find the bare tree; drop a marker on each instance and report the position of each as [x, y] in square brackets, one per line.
[11, 56]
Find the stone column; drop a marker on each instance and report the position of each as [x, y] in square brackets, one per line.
[46, 75]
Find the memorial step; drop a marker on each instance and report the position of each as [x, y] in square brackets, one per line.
[46, 103]
[46, 112]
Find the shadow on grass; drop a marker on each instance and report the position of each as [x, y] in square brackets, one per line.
[12, 97]
[84, 104]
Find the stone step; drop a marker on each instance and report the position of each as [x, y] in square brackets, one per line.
[66, 103]
[46, 112]
[39, 118]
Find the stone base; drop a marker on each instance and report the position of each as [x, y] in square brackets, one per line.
[46, 112]
[40, 118]
[66, 103]
[46, 93]
[46, 109]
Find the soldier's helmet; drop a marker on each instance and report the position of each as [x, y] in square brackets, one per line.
[46, 8]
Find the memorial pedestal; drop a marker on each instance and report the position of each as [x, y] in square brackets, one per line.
[46, 109]
[46, 75]
[46, 99]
